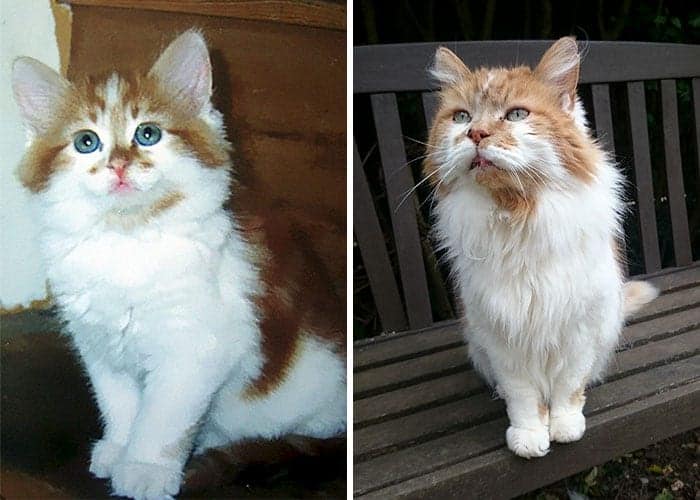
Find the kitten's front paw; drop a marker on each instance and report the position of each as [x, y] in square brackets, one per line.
[143, 481]
[104, 455]
[567, 427]
[528, 443]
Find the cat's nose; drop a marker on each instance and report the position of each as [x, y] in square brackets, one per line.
[477, 134]
[119, 166]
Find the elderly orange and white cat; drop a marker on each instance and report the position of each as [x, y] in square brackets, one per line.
[529, 209]
[195, 333]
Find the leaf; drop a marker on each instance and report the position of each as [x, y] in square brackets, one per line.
[676, 22]
[664, 495]
[591, 477]
[655, 469]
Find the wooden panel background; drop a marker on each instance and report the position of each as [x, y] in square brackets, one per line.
[282, 90]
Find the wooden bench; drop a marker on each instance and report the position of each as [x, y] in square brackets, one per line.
[425, 423]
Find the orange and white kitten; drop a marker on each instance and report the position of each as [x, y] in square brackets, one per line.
[529, 209]
[195, 333]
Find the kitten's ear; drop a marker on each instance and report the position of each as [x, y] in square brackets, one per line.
[559, 67]
[185, 71]
[38, 90]
[447, 68]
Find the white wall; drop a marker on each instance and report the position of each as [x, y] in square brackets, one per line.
[26, 28]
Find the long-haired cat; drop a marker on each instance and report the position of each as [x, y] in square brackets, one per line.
[529, 210]
[196, 332]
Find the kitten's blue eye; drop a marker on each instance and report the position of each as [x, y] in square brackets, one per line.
[461, 117]
[517, 114]
[147, 134]
[86, 141]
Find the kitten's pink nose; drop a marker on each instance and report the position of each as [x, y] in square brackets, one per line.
[119, 166]
[477, 134]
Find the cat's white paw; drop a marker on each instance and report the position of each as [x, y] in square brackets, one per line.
[143, 481]
[567, 427]
[528, 443]
[104, 455]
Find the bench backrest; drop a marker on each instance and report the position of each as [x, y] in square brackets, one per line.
[400, 291]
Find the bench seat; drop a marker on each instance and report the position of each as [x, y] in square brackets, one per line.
[425, 423]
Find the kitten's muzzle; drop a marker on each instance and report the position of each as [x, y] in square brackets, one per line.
[481, 162]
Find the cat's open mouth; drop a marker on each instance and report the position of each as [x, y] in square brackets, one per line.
[481, 162]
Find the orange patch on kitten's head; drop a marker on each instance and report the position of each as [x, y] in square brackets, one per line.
[547, 94]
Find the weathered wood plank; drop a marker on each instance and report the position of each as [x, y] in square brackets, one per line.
[430, 106]
[603, 116]
[501, 475]
[399, 182]
[412, 370]
[374, 254]
[400, 348]
[416, 397]
[642, 168]
[696, 115]
[403, 67]
[674, 174]
[464, 412]
[423, 458]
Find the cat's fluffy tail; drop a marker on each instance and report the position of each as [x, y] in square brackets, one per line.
[637, 294]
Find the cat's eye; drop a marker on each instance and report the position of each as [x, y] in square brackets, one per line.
[517, 114]
[461, 117]
[147, 134]
[86, 141]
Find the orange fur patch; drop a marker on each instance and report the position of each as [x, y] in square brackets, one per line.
[297, 299]
[578, 398]
[38, 163]
[543, 412]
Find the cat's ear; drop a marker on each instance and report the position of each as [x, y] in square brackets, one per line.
[447, 68]
[185, 71]
[559, 67]
[38, 90]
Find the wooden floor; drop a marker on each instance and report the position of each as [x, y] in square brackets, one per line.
[426, 423]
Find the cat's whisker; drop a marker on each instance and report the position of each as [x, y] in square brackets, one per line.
[413, 189]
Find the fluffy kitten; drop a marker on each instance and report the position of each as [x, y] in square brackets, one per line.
[195, 333]
[529, 210]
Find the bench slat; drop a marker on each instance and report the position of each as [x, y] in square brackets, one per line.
[464, 412]
[412, 370]
[609, 434]
[696, 105]
[642, 164]
[431, 101]
[399, 182]
[603, 116]
[403, 67]
[425, 457]
[674, 174]
[436, 385]
[375, 256]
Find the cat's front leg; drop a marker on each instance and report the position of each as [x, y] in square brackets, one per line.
[567, 422]
[175, 397]
[118, 397]
[528, 435]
